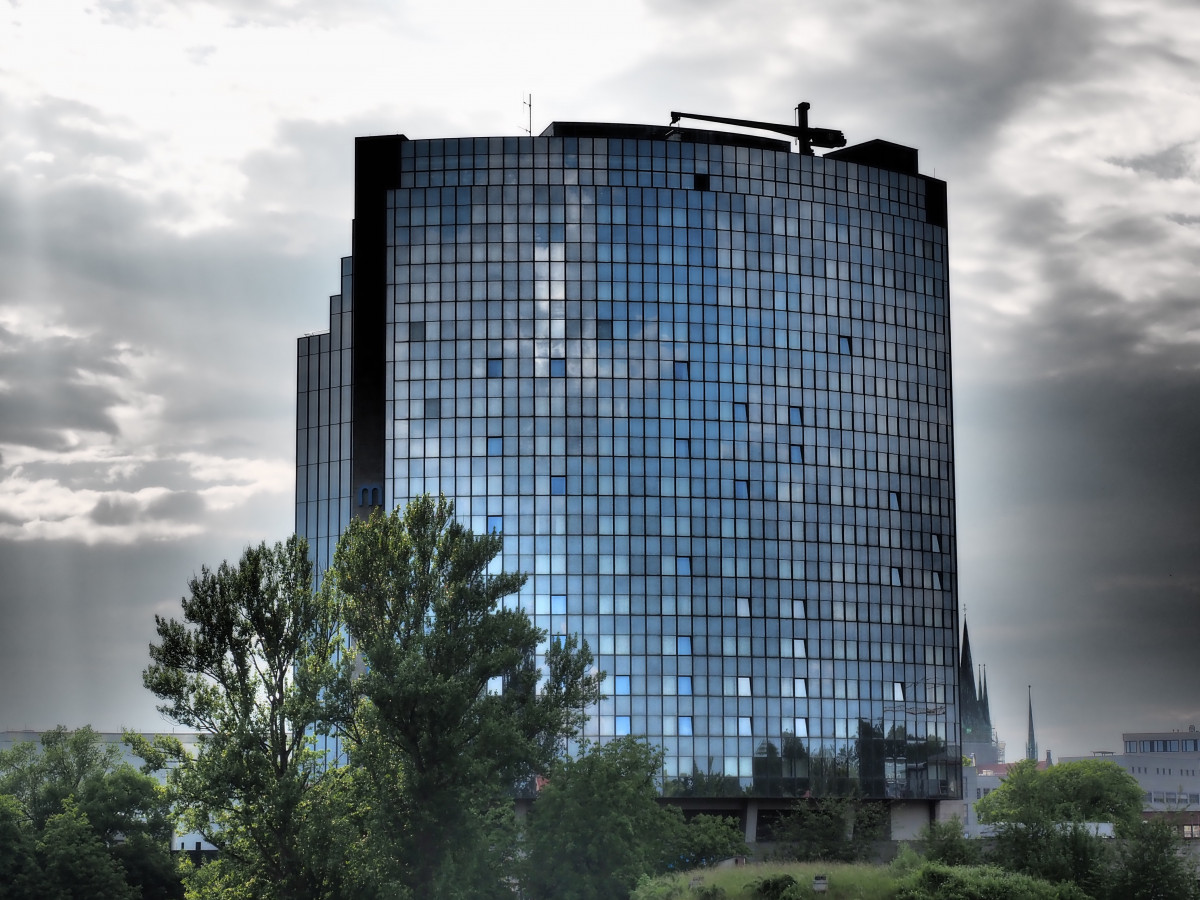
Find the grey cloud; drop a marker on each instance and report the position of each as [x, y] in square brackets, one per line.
[113, 511]
[70, 130]
[178, 506]
[1171, 163]
[963, 70]
[47, 394]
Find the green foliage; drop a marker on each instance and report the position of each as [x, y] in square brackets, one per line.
[1152, 865]
[1089, 790]
[76, 862]
[1054, 852]
[650, 887]
[1040, 815]
[832, 828]
[43, 778]
[73, 785]
[945, 842]
[773, 887]
[597, 825]
[846, 882]
[249, 664]
[706, 840]
[935, 881]
[20, 872]
[906, 860]
[426, 615]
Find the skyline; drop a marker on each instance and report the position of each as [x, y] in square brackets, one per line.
[176, 191]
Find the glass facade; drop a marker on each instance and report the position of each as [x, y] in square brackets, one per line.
[701, 385]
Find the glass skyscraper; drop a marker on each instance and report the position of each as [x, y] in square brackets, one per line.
[701, 384]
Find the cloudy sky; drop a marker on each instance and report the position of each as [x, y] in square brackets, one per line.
[175, 193]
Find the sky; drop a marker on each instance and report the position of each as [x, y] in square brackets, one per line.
[176, 192]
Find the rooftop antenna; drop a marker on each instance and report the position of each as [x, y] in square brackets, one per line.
[807, 136]
[527, 102]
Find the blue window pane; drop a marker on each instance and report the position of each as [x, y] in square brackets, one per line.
[621, 685]
[495, 524]
[741, 490]
[685, 725]
[681, 371]
[681, 447]
[683, 565]
[558, 368]
[843, 345]
[558, 604]
[622, 725]
[797, 454]
[495, 368]
[558, 484]
[684, 645]
[495, 446]
[685, 685]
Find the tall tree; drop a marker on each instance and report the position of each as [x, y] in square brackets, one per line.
[1041, 816]
[454, 695]
[249, 665]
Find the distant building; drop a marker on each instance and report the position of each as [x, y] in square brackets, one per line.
[1167, 766]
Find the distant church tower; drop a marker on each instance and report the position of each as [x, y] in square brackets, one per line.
[1031, 747]
[977, 734]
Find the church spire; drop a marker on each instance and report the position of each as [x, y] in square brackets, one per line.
[1031, 747]
[985, 702]
[966, 689]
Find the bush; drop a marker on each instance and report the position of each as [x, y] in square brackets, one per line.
[935, 881]
[945, 842]
[838, 829]
[705, 840]
[1151, 865]
[773, 887]
[661, 888]
[1067, 852]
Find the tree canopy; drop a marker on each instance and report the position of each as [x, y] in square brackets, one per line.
[249, 666]
[1089, 790]
[78, 821]
[453, 696]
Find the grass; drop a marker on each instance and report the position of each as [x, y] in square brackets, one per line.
[847, 881]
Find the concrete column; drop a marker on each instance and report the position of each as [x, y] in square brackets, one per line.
[751, 821]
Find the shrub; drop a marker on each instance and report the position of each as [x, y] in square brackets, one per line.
[706, 840]
[661, 888]
[838, 829]
[945, 842]
[935, 881]
[1151, 864]
[907, 860]
[773, 887]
